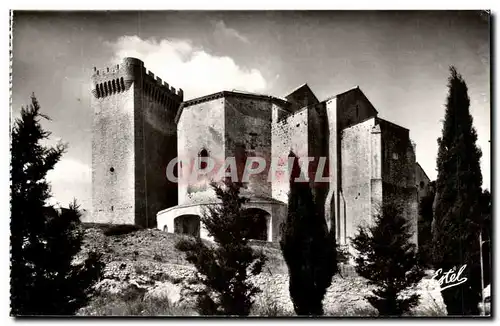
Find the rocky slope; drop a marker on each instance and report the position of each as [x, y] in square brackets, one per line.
[145, 263]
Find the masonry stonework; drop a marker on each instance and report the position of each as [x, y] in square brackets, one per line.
[140, 125]
[356, 191]
[134, 137]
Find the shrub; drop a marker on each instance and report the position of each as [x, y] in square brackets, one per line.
[388, 259]
[224, 268]
[133, 304]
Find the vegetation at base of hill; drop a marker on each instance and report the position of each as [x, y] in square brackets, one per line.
[387, 258]
[133, 303]
[44, 241]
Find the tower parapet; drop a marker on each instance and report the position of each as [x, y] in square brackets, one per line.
[118, 78]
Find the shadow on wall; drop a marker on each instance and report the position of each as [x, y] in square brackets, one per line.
[187, 224]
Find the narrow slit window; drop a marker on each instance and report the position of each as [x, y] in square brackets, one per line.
[203, 153]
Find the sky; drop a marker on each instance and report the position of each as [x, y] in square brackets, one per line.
[400, 60]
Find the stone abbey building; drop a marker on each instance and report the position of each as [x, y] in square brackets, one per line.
[141, 124]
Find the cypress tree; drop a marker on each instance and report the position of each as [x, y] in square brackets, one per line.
[457, 215]
[309, 249]
[44, 241]
[487, 228]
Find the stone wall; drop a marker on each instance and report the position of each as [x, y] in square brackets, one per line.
[113, 165]
[398, 167]
[356, 176]
[247, 135]
[289, 134]
[155, 147]
[353, 107]
[134, 137]
[319, 149]
[421, 181]
[201, 126]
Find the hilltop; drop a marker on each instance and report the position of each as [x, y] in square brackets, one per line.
[146, 275]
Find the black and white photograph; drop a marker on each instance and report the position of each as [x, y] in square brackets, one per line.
[251, 163]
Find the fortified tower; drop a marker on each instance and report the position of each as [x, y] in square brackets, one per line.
[134, 138]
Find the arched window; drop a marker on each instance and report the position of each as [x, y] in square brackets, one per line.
[122, 83]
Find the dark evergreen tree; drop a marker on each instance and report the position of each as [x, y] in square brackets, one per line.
[44, 241]
[425, 216]
[226, 266]
[487, 228]
[457, 214]
[388, 259]
[309, 249]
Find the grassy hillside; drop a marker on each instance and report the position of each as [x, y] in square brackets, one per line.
[146, 275]
[128, 243]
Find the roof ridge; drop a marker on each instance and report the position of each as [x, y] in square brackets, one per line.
[297, 88]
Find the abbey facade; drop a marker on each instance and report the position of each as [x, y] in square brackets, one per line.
[141, 124]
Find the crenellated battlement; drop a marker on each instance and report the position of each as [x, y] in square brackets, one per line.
[118, 78]
[107, 70]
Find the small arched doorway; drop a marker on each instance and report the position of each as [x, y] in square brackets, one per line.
[260, 223]
[187, 224]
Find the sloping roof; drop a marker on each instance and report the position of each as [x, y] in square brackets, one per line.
[423, 171]
[391, 124]
[353, 89]
[222, 94]
[346, 91]
[302, 96]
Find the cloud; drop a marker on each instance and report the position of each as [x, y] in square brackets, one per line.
[182, 65]
[222, 29]
[70, 179]
[68, 169]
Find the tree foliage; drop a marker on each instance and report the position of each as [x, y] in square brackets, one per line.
[487, 228]
[225, 267]
[309, 249]
[457, 213]
[44, 241]
[388, 259]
